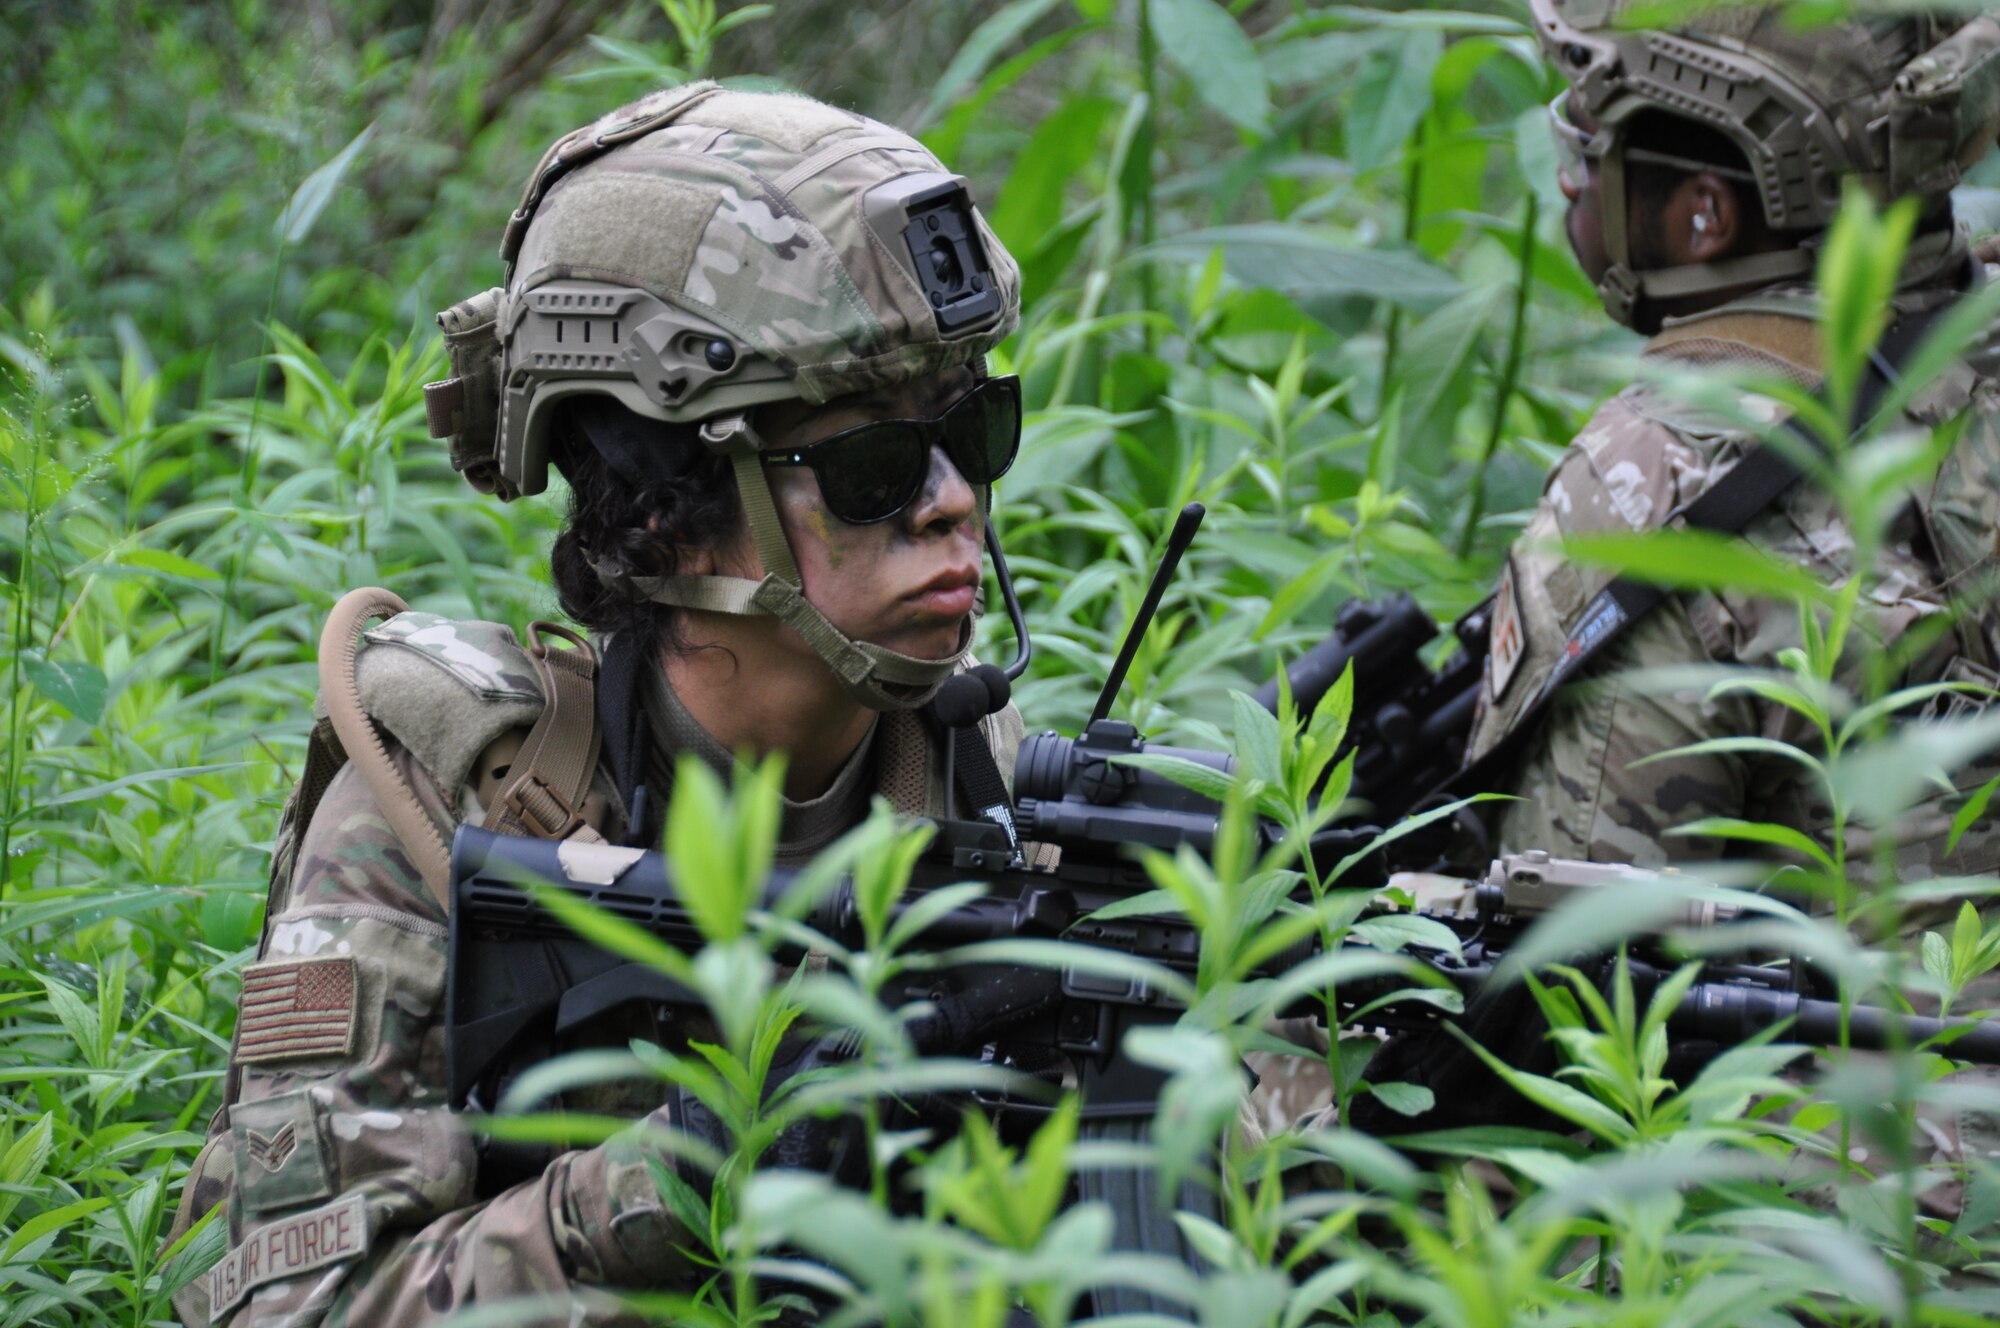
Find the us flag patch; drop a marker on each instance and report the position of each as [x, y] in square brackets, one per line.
[296, 1007]
[1509, 640]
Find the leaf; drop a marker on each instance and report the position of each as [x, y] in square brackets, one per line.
[316, 191]
[1257, 740]
[1757, 832]
[1395, 89]
[928, 909]
[1061, 956]
[1968, 815]
[56, 1219]
[169, 564]
[1573, 1105]
[1393, 931]
[1030, 203]
[90, 791]
[1405, 1099]
[1937, 957]
[23, 1161]
[1434, 376]
[610, 932]
[76, 686]
[1145, 904]
[1203, 779]
[981, 48]
[1316, 271]
[1883, 780]
[1318, 1291]
[1207, 43]
[1697, 560]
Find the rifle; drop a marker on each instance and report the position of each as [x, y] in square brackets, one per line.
[1410, 721]
[519, 982]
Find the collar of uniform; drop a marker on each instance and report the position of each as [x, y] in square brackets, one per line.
[808, 826]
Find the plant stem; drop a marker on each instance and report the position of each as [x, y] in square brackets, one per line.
[1148, 217]
[1510, 374]
[1413, 179]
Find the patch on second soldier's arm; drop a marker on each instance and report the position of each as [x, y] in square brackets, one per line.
[1509, 640]
[295, 1008]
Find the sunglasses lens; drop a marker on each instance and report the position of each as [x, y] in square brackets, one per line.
[983, 431]
[871, 473]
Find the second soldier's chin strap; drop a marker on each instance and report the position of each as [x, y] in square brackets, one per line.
[875, 676]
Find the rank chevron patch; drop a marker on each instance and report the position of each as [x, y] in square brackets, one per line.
[273, 1151]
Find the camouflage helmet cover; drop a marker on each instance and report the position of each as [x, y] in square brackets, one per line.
[703, 250]
[1903, 101]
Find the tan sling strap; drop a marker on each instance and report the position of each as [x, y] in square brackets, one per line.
[545, 788]
[358, 735]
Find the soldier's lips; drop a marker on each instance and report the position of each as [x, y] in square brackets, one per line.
[948, 594]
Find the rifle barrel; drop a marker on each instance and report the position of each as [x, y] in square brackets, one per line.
[1728, 1013]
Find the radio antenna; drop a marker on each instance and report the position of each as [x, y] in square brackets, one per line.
[1185, 526]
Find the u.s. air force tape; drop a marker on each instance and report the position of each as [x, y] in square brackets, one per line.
[288, 1247]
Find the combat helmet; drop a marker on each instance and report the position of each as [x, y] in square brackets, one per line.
[702, 251]
[1905, 102]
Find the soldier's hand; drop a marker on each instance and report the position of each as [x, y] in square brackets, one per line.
[834, 1145]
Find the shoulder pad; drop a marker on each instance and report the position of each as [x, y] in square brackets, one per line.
[446, 688]
[481, 656]
[1626, 470]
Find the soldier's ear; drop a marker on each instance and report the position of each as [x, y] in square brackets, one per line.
[1704, 220]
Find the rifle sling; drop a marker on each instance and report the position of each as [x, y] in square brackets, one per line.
[544, 793]
[1726, 507]
[620, 718]
[979, 776]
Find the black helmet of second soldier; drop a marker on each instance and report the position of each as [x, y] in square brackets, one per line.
[1904, 102]
[703, 251]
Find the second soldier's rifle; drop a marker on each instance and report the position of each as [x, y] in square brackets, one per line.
[1410, 721]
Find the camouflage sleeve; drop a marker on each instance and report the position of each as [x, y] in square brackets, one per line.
[1582, 790]
[1586, 774]
[354, 1199]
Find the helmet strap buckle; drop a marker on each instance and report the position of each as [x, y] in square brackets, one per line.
[1619, 289]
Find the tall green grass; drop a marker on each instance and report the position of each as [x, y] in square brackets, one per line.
[1302, 263]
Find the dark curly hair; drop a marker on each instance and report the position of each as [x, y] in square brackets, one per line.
[642, 492]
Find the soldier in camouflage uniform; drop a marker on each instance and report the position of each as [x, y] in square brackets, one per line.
[715, 302]
[1685, 245]
[1710, 256]
[1702, 166]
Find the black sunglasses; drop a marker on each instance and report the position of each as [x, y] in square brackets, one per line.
[875, 470]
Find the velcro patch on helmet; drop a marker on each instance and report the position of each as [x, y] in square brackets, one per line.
[639, 228]
[791, 123]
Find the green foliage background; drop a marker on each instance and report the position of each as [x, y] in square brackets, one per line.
[1300, 261]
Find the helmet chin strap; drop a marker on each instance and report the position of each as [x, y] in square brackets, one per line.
[875, 676]
[1624, 290]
